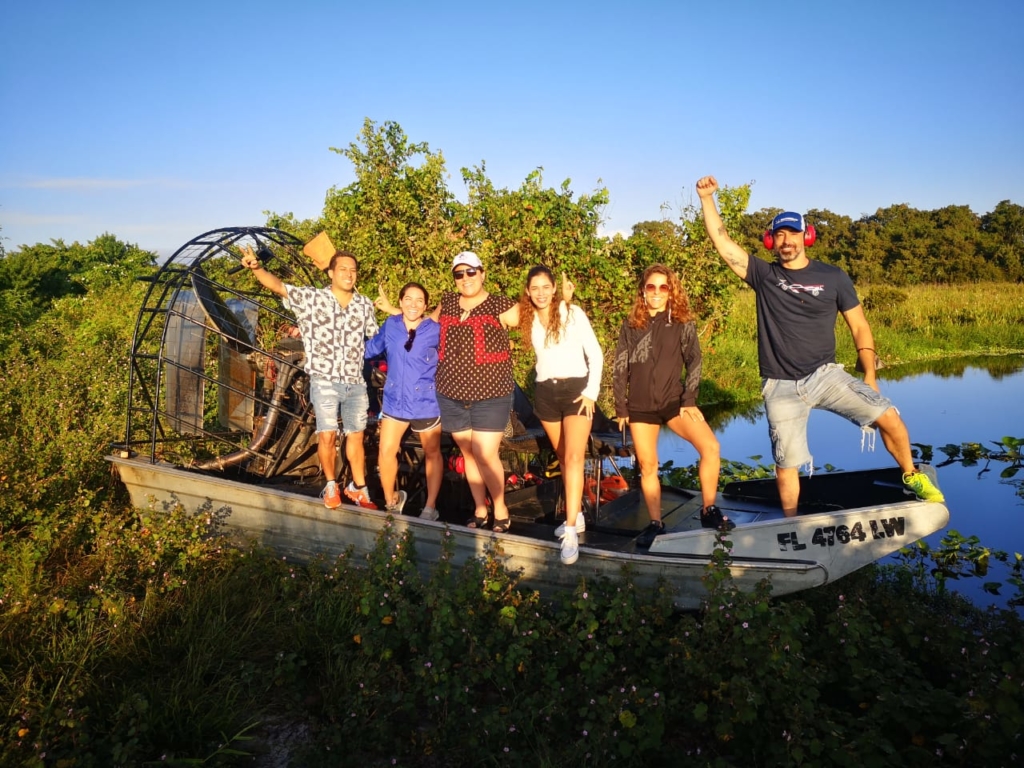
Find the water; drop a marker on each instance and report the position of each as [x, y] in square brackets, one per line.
[974, 400]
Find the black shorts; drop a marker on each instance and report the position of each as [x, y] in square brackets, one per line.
[417, 425]
[554, 398]
[661, 416]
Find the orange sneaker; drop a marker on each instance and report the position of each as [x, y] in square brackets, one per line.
[359, 496]
[331, 495]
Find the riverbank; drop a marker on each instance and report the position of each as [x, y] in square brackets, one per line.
[911, 325]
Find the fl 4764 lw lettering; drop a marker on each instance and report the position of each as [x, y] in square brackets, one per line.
[831, 535]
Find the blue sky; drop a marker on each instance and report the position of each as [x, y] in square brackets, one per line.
[159, 121]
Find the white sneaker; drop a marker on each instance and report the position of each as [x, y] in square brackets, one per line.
[570, 547]
[581, 526]
[396, 508]
[429, 513]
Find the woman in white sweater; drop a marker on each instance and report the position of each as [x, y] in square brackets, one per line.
[569, 360]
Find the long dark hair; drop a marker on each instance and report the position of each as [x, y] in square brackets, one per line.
[678, 305]
[527, 311]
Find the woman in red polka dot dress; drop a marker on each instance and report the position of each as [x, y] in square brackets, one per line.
[474, 382]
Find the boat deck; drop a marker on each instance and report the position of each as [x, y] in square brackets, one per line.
[614, 525]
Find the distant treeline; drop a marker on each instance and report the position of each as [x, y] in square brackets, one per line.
[904, 246]
[405, 223]
[34, 277]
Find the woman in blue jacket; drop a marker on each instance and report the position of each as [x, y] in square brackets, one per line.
[409, 343]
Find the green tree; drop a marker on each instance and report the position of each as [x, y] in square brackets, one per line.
[516, 229]
[63, 387]
[899, 237]
[955, 253]
[656, 241]
[1003, 228]
[835, 238]
[35, 276]
[398, 215]
[709, 282]
[750, 229]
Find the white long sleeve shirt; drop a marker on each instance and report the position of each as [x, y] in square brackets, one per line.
[576, 354]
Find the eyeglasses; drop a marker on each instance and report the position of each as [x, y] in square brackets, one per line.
[461, 273]
[652, 288]
[410, 340]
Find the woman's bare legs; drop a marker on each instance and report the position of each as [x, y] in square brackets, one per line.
[390, 435]
[569, 437]
[645, 446]
[431, 442]
[699, 435]
[483, 470]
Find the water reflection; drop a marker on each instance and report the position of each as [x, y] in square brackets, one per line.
[997, 367]
[942, 402]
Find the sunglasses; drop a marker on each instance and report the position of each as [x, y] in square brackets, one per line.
[652, 288]
[410, 340]
[461, 273]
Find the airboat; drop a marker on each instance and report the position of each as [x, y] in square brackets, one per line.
[219, 420]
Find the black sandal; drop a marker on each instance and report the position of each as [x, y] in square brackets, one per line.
[479, 522]
[502, 524]
[712, 517]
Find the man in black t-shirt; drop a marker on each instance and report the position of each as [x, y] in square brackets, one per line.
[797, 303]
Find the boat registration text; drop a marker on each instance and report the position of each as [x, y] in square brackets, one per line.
[831, 535]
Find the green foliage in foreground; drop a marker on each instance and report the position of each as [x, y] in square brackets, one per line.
[63, 398]
[127, 640]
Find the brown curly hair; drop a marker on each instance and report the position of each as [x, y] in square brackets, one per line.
[678, 305]
[526, 311]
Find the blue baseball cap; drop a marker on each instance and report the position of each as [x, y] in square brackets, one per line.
[788, 220]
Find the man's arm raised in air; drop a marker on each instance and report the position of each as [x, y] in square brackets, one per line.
[733, 254]
[268, 280]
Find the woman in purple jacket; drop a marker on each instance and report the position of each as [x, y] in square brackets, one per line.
[409, 342]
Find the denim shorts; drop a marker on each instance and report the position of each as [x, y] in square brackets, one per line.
[788, 405]
[553, 398]
[328, 396]
[477, 415]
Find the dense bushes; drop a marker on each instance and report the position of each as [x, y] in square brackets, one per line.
[145, 643]
[63, 398]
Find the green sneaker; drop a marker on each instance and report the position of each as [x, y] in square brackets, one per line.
[922, 486]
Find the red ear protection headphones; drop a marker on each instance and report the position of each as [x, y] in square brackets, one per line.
[810, 235]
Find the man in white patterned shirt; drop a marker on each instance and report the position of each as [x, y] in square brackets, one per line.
[334, 323]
